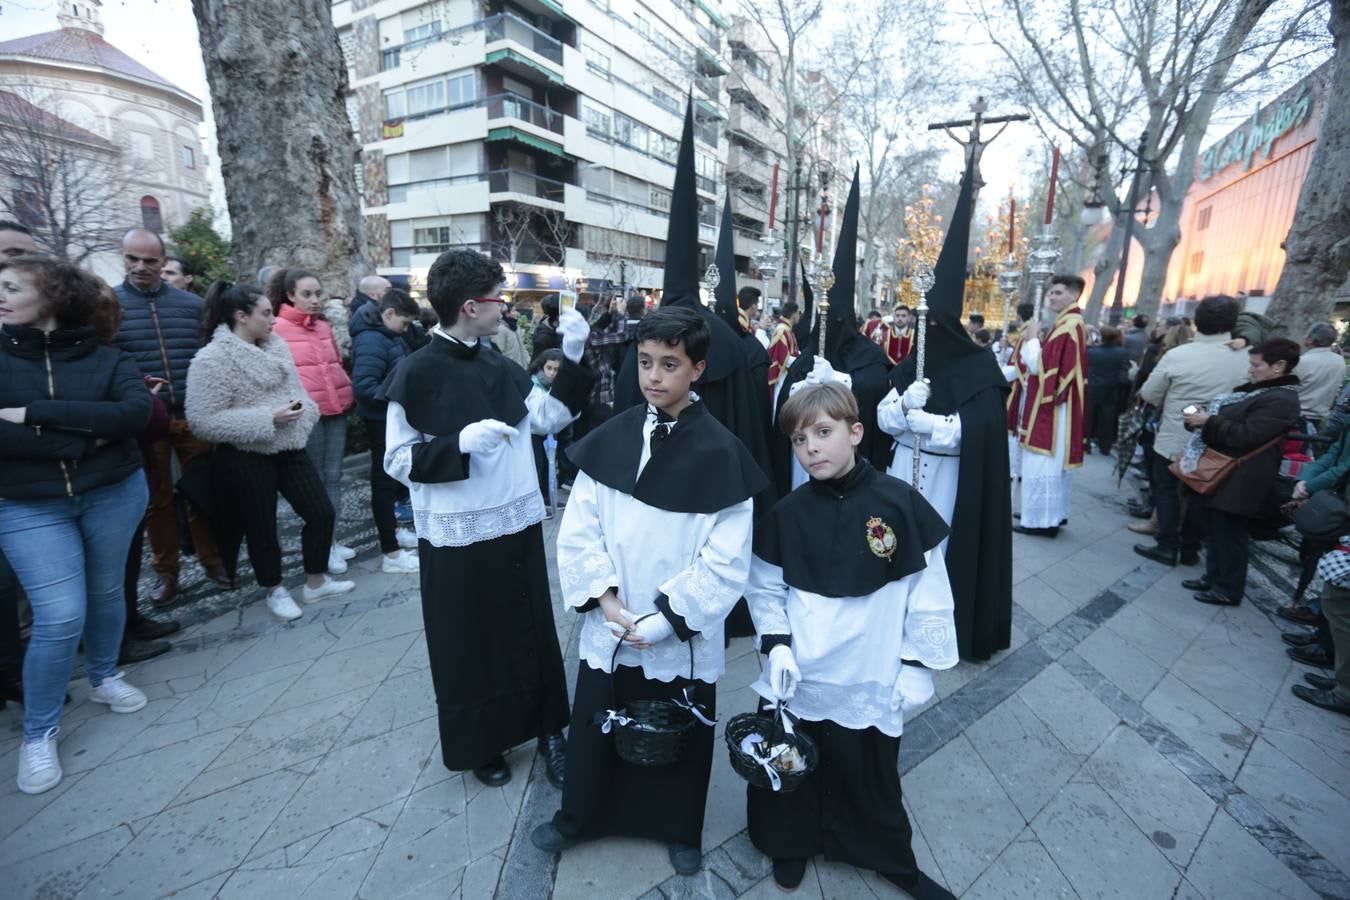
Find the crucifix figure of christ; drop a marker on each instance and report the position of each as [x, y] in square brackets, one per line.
[973, 144]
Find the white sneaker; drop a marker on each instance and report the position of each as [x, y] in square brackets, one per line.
[344, 551]
[282, 605]
[337, 563]
[329, 588]
[407, 538]
[120, 696]
[39, 764]
[404, 563]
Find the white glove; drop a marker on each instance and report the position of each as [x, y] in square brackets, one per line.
[916, 395]
[575, 332]
[653, 629]
[783, 672]
[912, 689]
[821, 371]
[921, 422]
[484, 436]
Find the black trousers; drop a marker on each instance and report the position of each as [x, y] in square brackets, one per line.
[1227, 548]
[1177, 531]
[254, 481]
[603, 795]
[849, 809]
[132, 578]
[1102, 413]
[384, 490]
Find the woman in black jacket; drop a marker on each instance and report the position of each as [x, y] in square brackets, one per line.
[1108, 366]
[1255, 416]
[71, 492]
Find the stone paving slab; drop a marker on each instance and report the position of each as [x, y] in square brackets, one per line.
[1132, 743]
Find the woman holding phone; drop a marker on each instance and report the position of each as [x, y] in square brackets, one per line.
[244, 393]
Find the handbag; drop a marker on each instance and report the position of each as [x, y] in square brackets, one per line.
[1213, 467]
[1323, 517]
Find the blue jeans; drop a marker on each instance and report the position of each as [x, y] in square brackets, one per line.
[70, 555]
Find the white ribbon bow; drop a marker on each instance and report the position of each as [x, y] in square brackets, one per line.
[688, 703]
[612, 718]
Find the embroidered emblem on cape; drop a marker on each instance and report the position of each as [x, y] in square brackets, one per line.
[880, 538]
[935, 631]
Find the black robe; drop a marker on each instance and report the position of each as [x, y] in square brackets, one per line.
[969, 383]
[495, 687]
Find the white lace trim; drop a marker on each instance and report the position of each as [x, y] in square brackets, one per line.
[1045, 500]
[459, 529]
[665, 661]
[586, 575]
[856, 706]
[701, 596]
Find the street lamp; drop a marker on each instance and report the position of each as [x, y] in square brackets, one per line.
[1140, 168]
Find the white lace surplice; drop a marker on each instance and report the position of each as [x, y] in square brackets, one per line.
[1046, 484]
[500, 496]
[849, 648]
[700, 561]
[939, 460]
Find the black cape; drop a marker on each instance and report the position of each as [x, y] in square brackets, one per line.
[825, 535]
[979, 554]
[447, 384]
[700, 468]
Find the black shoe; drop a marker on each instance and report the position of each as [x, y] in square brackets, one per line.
[135, 650]
[1214, 598]
[1196, 584]
[1156, 553]
[686, 860]
[549, 839]
[1324, 699]
[553, 747]
[1139, 512]
[920, 887]
[1298, 639]
[11, 687]
[1312, 655]
[1321, 682]
[147, 629]
[1301, 615]
[788, 873]
[1189, 558]
[493, 774]
[1037, 532]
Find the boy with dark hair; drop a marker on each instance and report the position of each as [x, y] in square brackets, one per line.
[653, 551]
[378, 347]
[458, 432]
[852, 605]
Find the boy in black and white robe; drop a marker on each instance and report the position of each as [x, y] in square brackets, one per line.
[653, 551]
[852, 604]
[458, 434]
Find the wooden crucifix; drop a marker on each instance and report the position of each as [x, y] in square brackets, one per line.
[973, 144]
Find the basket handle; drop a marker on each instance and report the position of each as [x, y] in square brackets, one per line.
[689, 703]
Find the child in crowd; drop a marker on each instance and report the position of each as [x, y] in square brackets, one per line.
[377, 331]
[654, 551]
[543, 369]
[851, 602]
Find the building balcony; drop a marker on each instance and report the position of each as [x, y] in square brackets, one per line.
[748, 166]
[507, 27]
[745, 242]
[526, 184]
[514, 106]
[744, 122]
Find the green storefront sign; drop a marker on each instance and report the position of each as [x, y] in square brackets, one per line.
[1257, 136]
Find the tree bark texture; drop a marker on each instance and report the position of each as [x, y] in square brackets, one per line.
[286, 148]
[1317, 248]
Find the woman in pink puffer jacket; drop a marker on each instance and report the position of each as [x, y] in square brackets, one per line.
[297, 300]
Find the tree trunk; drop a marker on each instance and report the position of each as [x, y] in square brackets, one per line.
[1108, 262]
[286, 148]
[1159, 243]
[1317, 248]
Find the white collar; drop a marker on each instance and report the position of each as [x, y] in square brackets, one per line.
[438, 331]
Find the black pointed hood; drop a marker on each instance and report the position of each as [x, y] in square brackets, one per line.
[680, 286]
[842, 332]
[725, 295]
[956, 366]
[681, 282]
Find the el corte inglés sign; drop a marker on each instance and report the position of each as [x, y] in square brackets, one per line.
[1257, 136]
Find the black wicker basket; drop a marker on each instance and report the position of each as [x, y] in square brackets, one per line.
[651, 732]
[769, 726]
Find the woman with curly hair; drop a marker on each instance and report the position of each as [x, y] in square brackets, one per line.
[71, 492]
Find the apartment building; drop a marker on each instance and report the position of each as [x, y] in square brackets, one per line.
[542, 132]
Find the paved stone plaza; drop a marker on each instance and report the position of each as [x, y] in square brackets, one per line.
[1132, 744]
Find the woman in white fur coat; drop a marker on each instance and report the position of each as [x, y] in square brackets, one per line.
[244, 393]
